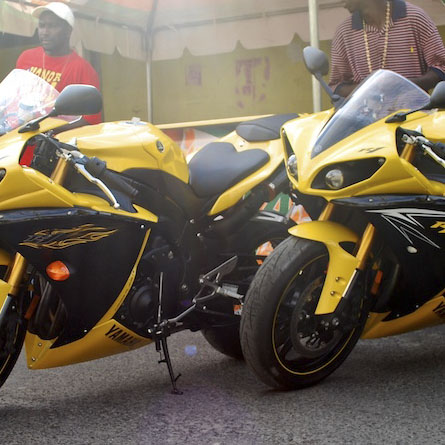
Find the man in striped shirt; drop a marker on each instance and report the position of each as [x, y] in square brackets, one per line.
[390, 34]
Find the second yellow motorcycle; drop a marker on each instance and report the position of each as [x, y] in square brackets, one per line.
[371, 173]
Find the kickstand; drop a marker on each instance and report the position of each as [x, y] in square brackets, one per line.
[162, 344]
[161, 334]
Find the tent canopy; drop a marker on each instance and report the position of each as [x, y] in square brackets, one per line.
[202, 26]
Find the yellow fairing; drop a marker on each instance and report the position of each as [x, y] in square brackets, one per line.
[231, 196]
[23, 187]
[341, 263]
[430, 314]
[103, 340]
[126, 144]
[373, 141]
[106, 338]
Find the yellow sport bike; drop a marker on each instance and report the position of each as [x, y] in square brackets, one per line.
[109, 240]
[371, 173]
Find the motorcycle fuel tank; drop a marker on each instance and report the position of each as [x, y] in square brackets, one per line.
[129, 144]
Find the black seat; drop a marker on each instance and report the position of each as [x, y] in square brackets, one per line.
[264, 128]
[218, 166]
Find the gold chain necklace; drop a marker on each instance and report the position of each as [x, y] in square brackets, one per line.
[385, 46]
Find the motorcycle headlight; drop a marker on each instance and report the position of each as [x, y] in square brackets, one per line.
[341, 175]
[292, 166]
[334, 179]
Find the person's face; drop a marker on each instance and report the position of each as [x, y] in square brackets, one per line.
[54, 33]
[351, 5]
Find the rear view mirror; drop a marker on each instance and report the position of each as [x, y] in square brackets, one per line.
[437, 99]
[78, 100]
[317, 63]
[315, 60]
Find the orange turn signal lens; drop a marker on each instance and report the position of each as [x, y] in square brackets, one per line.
[58, 271]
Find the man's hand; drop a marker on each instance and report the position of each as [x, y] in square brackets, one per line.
[345, 89]
[428, 81]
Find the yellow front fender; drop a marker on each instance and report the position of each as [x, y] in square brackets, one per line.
[341, 263]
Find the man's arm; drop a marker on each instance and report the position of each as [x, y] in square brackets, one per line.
[433, 52]
[341, 75]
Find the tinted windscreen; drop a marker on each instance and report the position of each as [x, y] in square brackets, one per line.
[380, 95]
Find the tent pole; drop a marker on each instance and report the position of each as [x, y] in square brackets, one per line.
[148, 66]
[315, 41]
[149, 89]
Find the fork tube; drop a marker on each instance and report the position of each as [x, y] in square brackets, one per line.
[327, 212]
[15, 275]
[365, 246]
[60, 171]
[408, 152]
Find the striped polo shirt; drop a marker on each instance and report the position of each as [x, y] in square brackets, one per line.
[414, 46]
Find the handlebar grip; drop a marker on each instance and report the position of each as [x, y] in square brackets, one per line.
[98, 168]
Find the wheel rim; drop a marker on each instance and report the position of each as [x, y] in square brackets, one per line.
[300, 343]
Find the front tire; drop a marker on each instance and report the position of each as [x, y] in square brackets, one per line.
[285, 344]
[259, 239]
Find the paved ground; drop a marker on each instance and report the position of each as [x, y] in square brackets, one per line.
[389, 391]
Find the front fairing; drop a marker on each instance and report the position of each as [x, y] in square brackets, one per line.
[373, 145]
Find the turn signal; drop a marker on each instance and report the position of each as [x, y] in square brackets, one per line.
[58, 271]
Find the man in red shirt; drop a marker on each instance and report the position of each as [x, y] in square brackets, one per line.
[55, 61]
[390, 34]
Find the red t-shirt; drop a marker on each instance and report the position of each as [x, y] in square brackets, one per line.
[60, 71]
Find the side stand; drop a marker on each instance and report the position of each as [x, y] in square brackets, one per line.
[162, 348]
[161, 332]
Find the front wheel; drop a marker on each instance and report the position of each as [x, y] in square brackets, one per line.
[259, 238]
[282, 339]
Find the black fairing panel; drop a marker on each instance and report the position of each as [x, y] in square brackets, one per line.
[413, 227]
[168, 186]
[99, 249]
[264, 128]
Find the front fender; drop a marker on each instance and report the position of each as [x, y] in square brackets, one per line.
[341, 263]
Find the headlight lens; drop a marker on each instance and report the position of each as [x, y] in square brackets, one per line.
[344, 174]
[334, 179]
[292, 166]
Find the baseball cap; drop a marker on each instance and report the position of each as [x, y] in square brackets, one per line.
[59, 9]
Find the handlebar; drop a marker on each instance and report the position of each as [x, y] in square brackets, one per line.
[98, 168]
[93, 169]
[435, 150]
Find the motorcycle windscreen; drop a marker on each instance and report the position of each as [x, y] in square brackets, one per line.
[378, 96]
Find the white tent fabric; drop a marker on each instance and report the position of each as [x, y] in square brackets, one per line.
[202, 26]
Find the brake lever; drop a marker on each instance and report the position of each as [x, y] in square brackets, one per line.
[80, 168]
[77, 160]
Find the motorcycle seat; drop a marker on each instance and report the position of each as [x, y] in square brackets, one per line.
[218, 166]
[264, 128]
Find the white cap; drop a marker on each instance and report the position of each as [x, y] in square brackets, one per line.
[59, 9]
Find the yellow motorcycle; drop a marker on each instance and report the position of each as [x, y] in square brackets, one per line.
[371, 173]
[109, 240]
